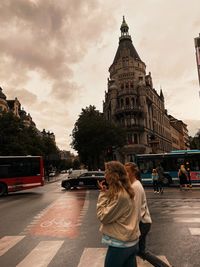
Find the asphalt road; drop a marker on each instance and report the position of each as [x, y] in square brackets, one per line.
[49, 226]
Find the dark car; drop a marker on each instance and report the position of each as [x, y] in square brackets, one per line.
[87, 179]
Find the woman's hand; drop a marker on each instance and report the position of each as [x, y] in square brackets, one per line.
[102, 185]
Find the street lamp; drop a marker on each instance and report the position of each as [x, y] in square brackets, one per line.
[197, 47]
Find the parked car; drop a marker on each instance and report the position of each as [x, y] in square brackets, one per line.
[87, 179]
[52, 174]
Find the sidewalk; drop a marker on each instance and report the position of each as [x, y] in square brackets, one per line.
[51, 179]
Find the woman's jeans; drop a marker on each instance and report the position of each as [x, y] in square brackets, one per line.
[121, 257]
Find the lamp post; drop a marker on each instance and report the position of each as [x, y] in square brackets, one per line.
[197, 48]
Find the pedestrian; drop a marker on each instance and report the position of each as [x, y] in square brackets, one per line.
[118, 215]
[187, 167]
[154, 177]
[182, 174]
[143, 215]
[160, 172]
[141, 202]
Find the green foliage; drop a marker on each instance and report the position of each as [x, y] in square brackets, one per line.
[93, 136]
[195, 141]
[65, 164]
[76, 164]
[16, 139]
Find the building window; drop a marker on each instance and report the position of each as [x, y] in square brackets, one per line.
[127, 101]
[129, 138]
[130, 157]
[135, 139]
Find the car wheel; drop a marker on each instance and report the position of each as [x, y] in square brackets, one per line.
[67, 186]
[3, 189]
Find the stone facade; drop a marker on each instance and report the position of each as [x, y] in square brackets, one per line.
[132, 103]
[15, 107]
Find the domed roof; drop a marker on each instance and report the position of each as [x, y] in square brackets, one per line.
[2, 96]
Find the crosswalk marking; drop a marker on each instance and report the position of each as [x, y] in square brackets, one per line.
[8, 242]
[42, 254]
[95, 257]
[187, 220]
[184, 212]
[180, 212]
[194, 231]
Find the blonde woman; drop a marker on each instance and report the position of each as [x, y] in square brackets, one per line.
[182, 174]
[118, 216]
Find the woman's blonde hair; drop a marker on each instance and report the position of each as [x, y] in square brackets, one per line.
[117, 179]
[182, 168]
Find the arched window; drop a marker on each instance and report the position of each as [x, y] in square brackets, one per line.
[133, 101]
[135, 138]
[122, 102]
[127, 101]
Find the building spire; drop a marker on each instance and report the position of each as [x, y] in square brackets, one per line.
[124, 28]
[161, 94]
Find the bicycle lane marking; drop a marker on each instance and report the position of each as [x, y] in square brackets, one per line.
[62, 218]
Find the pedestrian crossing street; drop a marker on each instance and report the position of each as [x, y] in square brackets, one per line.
[88, 259]
[45, 251]
[181, 212]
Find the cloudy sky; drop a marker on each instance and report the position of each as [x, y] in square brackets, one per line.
[55, 55]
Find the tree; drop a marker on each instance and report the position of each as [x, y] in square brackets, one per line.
[17, 139]
[195, 141]
[93, 137]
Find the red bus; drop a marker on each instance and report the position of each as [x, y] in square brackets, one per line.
[20, 173]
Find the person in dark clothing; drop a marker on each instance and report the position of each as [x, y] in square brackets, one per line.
[182, 174]
[160, 172]
[187, 167]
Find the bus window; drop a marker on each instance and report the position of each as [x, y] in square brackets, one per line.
[146, 166]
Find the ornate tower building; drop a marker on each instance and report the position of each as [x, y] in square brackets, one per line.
[133, 103]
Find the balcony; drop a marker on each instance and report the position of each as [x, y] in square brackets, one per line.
[127, 91]
[135, 128]
[128, 110]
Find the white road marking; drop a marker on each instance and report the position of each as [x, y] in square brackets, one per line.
[180, 212]
[187, 220]
[95, 257]
[8, 242]
[194, 231]
[42, 254]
